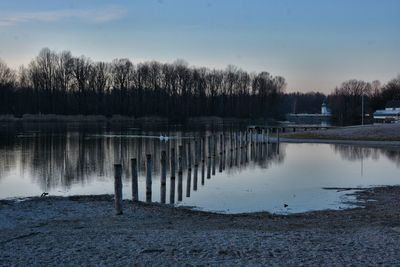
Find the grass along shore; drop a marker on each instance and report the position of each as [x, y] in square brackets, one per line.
[84, 230]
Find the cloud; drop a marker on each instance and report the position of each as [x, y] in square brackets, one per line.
[98, 15]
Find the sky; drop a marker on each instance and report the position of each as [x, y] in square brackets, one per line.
[314, 44]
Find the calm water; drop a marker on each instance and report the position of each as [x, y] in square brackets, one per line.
[78, 159]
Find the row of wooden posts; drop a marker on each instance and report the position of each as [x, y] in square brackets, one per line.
[236, 140]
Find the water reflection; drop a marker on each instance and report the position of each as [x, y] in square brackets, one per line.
[60, 160]
[356, 153]
[64, 159]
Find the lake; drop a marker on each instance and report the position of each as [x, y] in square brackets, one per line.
[78, 159]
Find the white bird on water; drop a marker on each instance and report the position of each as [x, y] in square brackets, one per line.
[165, 138]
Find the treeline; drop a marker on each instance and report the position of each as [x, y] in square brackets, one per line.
[346, 100]
[303, 102]
[59, 83]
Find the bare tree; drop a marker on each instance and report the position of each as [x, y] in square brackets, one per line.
[346, 101]
[60, 83]
[64, 71]
[7, 75]
[24, 80]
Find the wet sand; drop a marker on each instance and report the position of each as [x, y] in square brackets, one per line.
[84, 230]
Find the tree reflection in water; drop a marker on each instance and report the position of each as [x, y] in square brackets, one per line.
[59, 155]
[356, 153]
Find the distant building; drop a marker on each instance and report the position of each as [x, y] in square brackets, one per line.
[324, 109]
[390, 114]
[322, 118]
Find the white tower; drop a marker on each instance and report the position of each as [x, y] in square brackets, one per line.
[324, 110]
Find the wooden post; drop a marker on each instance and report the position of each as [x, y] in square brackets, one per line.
[188, 182]
[118, 189]
[255, 146]
[148, 178]
[209, 168]
[236, 141]
[134, 173]
[180, 158]
[277, 135]
[251, 138]
[263, 135]
[172, 186]
[213, 165]
[189, 155]
[252, 146]
[240, 140]
[277, 147]
[163, 176]
[223, 161]
[231, 140]
[236, 156]
[220, 144]
[231, 159]
[241, 156]
[195, 178]
[220, 163]
[215, 145]
[203, 149]
[245, 151]
[172, 166]
[209, 146]
[180, 168]
[202, 173]
[196, 153]
[224, 144]
[163, 167]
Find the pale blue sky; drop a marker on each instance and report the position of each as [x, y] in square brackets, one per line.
[314, 44]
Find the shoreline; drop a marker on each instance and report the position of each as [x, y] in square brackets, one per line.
[375, 135]
[368, 143]
[84, 230]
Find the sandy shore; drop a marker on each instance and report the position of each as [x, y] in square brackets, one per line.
[84, 231]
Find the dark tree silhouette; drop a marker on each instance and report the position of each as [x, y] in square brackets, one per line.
[59, 83]
[346, 101]
[304, 102]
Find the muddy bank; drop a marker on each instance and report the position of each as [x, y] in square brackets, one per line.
[84, 230]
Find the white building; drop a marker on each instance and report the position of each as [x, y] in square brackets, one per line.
[390, 114]
[324, 109]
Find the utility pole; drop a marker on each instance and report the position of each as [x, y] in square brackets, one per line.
[362, 108]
